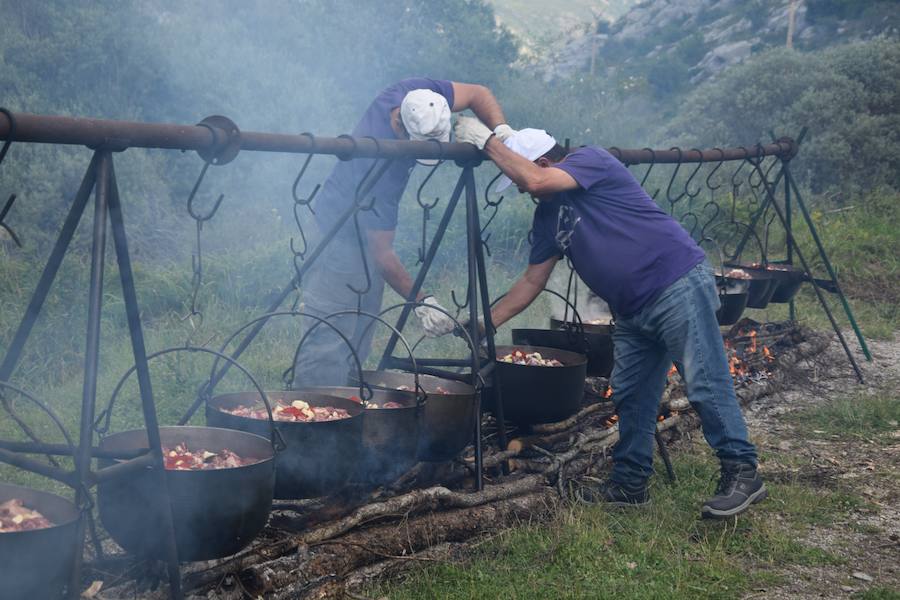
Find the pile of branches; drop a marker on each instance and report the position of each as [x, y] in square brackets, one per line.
[327, 548]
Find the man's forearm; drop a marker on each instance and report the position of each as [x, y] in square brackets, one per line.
[487, 108]
[396, 275]
[515, 301]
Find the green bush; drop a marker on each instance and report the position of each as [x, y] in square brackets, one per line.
[848, 97]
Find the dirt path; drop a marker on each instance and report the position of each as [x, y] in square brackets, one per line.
[867, 538]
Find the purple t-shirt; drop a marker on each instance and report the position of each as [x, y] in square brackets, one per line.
[624, 247]
[338, 191]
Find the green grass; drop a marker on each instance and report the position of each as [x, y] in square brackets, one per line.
[664, 551]
[860, 415]
[878, 593]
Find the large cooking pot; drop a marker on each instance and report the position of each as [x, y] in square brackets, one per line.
[533, 395]
[319, 456]
[447, 419]
[216, 512]
[38, 563]
[596, 342]
[762, 285]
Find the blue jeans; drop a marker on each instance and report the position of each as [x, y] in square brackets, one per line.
[325, 359]
[679, 326]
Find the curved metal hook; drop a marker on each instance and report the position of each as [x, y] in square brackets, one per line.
[694, 223]
[365, 262]
[709, 184]
[348, 155]
[307, 202]
[687, 191]
[672, 180]
[190, 200]
[711, 219]
[487, 192]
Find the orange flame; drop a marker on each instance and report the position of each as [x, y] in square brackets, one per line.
[768, 354]
[752, 348]
[608, 393]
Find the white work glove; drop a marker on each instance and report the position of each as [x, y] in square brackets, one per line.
[503, 132]
[469, 130]
[434, 322]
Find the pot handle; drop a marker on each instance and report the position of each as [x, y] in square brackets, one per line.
[579, 324]
[365, 393]
[101, 424]
[477, 382]
[420, 392]
[53, 470]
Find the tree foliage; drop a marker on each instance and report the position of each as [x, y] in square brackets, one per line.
[848, 97]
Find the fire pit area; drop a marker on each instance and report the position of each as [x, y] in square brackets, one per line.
[200, 499]
[320, 547]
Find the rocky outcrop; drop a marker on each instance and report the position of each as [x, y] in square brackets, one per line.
[707, 36]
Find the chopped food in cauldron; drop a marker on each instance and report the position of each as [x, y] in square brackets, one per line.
[15, 516]
[736, 274]
[531, 359]
[296, 411]
[389, 404]
[408, 388]
[180, 458]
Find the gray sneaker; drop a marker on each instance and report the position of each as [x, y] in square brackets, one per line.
[739, 487]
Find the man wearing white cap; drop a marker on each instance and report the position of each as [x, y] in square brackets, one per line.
[660, 288]
[416, 109]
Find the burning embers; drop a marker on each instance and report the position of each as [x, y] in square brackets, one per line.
[748, 359]
[15, 516]
[296, 411]
[180, 458]
[531, 359]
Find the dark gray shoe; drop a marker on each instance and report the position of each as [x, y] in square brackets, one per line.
[614, 494]
[739, 487]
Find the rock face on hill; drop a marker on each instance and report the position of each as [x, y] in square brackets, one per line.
[700, 38]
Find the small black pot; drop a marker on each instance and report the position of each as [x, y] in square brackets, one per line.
[216, 512]
[38, 563]
[319, 456]
[534, 395]
[732, 307]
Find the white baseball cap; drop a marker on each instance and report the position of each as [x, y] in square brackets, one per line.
[426, 116]
[529, 143]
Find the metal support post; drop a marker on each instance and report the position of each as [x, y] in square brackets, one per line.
[92, 350]
[770, 194]
[789, 231]
[824, 256]
[143, 376]
[476, 246]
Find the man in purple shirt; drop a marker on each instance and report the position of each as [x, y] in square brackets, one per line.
[661, 291]
[418, 109]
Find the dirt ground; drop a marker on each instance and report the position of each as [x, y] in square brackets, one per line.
[868, 539]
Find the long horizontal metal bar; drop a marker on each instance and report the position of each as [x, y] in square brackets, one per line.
[123, 468]
[35, 466]
[119, 135]
[65, 450]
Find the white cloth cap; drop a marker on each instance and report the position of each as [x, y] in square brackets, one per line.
[529, 143]
[426, 116]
